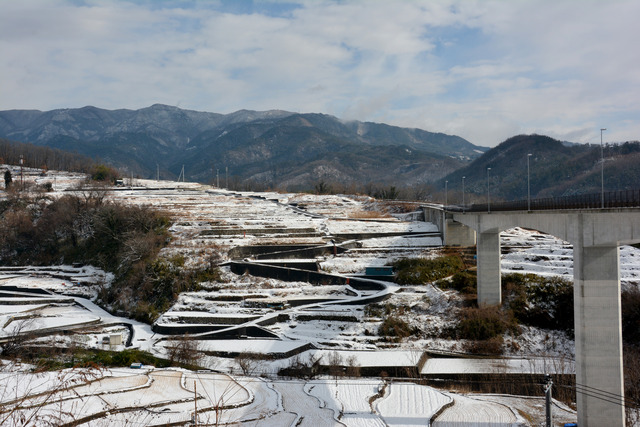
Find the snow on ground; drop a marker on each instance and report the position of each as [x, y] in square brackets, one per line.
[253, 346]
[389, 225]
[209, 221]
[305, 408]
[402, 242]
[80, 395]
[349, 400]
[535, 365]
[528, 251]
[472, 412]
[63, 279]
[408, 404]
[533, 406]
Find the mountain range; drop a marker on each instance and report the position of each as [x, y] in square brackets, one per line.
[291, 151]
[273, 148]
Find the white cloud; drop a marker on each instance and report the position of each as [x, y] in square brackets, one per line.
[482, 69]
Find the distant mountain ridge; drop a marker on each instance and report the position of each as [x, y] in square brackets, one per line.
[275, 147]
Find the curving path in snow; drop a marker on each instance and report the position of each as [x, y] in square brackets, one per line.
[305, 408]
[349, 400]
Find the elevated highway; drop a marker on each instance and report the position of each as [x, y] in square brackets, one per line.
[596, 226]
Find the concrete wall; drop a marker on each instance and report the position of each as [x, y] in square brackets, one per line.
[434, 215]
[453, 233]
[295, 275]
[457, 234]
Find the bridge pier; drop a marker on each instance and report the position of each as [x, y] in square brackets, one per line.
[596, 235]
[599, 373]
[488, 262]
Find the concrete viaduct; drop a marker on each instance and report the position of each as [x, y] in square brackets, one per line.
[596, 235]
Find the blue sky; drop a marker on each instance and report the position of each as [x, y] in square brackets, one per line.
[485, 70]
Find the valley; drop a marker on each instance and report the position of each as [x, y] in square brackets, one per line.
[292, 295]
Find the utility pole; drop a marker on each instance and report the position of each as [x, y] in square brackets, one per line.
[547, 398]
[528, 185]
[21, 174]
[195, 405]
[446, 202]
[217, 178]
[226, 173]
[157, 172]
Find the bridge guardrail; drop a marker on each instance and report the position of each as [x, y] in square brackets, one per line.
[612, 199]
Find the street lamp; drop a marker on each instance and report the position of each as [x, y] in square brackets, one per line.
[446, 200]
[463, 193]
[488, 198]
[602, 168]
[528, 184]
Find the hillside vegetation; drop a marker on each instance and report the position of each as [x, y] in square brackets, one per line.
[86, 228]
[45, 158]
[555, 169]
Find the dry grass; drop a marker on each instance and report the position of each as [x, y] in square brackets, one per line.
[368, 214]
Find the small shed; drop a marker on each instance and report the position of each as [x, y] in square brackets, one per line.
[115, 339]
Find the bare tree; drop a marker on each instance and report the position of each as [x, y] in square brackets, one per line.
[32, 407]
[183, 350]
[353, 367]
[248, 363]
[19, 334]
[334, 363]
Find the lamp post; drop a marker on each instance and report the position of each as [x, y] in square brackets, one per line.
[488, 197]
[528, 184]
[446, 200]
[602, 168]
[463, 193]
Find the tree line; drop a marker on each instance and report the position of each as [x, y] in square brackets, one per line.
[36, 156]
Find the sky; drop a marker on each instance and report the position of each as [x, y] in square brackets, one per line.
[481, 69]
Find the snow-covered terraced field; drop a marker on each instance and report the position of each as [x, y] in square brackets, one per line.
[408, 404]
[475, 413]
[345, 396]
[529, 251]
[211, 221]
[305, 408]
[168, 396]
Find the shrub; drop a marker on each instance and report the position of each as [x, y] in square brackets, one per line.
[544, 302]
[123, 240]
[485, 323]
[104, 173]
[462, 281]
[422, 271]
[395, 329]
[488, 347]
